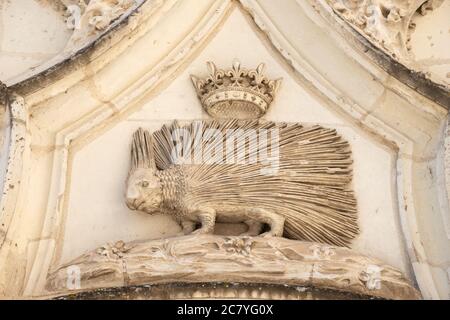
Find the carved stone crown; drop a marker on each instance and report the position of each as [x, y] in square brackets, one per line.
[237, 93]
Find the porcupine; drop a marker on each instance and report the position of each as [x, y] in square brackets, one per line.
[307, 197]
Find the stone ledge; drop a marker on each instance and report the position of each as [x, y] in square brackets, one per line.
[221, 259]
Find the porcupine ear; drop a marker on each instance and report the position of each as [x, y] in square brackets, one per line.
[142, 155]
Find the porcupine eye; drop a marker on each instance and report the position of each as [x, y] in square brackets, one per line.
[144, 184]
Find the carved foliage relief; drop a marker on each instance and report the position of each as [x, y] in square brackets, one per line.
[88, 18]
[386, 22]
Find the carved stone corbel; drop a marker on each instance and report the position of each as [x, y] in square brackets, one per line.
[3, 94]
[221, 259]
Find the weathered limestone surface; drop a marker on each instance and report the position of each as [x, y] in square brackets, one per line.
[414, 32]
[37, 34]
[65, 156]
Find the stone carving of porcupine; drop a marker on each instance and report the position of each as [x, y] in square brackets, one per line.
[298, 186]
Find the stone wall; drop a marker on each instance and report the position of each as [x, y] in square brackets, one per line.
[70, 128]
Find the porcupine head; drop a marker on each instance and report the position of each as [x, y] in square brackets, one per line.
[144, 190]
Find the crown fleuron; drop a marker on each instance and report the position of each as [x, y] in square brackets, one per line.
[237, 93]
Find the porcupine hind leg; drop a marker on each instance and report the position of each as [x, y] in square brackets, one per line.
[187, 226]
[274, 220]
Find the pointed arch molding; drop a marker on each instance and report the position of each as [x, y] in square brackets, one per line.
[413, 127]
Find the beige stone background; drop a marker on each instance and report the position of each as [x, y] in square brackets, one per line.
[372, 168]
[430, 43]
[78, 125]
[31, 32]
[34, 31]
